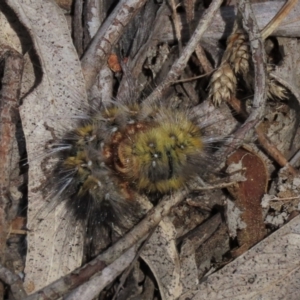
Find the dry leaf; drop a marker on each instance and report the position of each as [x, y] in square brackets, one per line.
[56, 94]
[162, 257]
[189, 269]
[248, 195]
[270, 270]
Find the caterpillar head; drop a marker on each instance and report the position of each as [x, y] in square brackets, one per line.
[157, 154]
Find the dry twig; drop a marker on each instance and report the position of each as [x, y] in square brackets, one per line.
[181, 62]
[77, 26]
[107, 35]
[90, 289]
[176, 24]
[259, 63]
[205, 63]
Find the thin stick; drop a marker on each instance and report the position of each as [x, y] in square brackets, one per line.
[191, 78]
[177, 24]
[217, 186]
[77, 26]
[273, 151]
[259, 62]
[285, 199]
[91, 289]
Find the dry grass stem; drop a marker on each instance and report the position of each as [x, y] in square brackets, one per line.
[280, 16]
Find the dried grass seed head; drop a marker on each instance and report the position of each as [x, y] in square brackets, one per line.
[222, 84]
[275, 90]
[238, 52]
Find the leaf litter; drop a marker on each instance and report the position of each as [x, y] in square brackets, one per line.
[183, 256]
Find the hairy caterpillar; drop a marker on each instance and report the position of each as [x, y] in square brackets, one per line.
[123, 150]
[99, 193]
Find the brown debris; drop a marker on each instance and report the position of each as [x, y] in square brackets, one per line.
[113, 63]
[248, 195]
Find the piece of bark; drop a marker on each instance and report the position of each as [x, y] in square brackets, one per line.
[248, 195]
